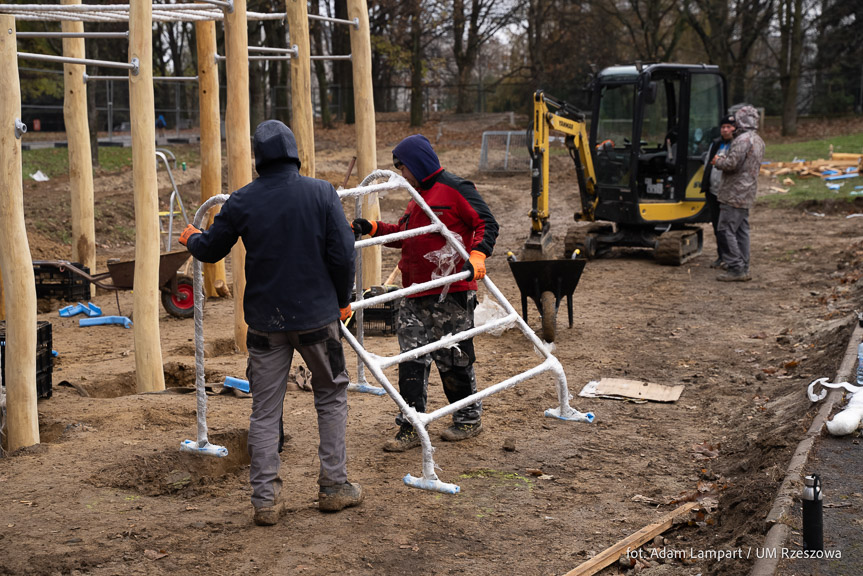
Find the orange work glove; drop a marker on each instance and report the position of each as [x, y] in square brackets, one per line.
[345, 313]
[476, 265]
[187, 233]
[361, 226]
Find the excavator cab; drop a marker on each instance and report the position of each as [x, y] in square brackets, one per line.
[651, 130]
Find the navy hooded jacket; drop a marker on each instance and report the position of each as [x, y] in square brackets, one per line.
[299, 246]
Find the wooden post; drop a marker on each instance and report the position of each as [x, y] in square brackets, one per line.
[148, 353]
[15, 262]
[364, 105]
[302, 111]
[238, 134]
[211, 137]
[80, 160]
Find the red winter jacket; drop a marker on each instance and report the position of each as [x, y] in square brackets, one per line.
[461, 209]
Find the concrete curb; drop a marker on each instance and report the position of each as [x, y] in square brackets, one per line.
[779, 530]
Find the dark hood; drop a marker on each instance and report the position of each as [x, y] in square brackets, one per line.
[275, 143]
[417, 154]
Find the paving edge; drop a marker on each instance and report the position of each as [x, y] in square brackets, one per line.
[779, 530]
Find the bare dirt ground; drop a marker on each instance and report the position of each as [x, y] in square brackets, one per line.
[108, 492]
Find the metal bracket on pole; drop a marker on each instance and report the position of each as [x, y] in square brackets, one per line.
[356, 24]
[20, 128]
[136, 65]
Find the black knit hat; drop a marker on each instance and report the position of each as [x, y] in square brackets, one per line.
[729, 120]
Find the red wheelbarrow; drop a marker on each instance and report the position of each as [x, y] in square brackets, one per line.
[178, 295]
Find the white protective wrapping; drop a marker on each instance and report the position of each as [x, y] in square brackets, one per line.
[202, 446]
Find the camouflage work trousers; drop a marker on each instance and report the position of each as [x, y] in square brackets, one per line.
[424, 320]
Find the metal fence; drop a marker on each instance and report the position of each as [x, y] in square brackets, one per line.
[504, 152]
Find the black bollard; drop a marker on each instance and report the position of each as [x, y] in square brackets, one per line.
[813, 518]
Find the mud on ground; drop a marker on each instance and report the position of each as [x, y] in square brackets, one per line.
[107, 491]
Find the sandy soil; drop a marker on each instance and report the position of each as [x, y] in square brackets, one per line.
[108, 492]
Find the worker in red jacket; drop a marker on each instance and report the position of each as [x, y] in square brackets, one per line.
[427, 316]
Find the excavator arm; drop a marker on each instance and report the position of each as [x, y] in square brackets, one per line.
[550, 114]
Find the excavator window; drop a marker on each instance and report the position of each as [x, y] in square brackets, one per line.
[660, 134]
[614, 131]
[705, 111]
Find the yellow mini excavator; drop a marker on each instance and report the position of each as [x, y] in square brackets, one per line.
[639, 168]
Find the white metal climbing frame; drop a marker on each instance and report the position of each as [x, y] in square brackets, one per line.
[384, 180]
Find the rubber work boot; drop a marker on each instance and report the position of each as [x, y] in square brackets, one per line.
[406, 438]
[459, 432]
[335, 498]
[266, 516]
[734, 275]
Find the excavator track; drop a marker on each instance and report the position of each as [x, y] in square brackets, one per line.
[677, 247]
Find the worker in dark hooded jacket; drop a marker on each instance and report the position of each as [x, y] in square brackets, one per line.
[299, 272]
[740, 168]
[427, 316]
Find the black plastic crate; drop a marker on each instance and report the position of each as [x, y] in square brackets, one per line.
[65, 285]
[44, 357]
[381, 319]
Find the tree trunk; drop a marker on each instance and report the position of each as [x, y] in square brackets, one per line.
[320, 67]
[790, 57]
[343, 71]
[416, 65]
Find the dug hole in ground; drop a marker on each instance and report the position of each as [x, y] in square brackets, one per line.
[108, 492]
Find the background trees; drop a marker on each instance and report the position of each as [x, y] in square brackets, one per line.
[789, 57]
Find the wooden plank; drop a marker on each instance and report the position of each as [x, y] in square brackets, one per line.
[638, 389]
[631, 542]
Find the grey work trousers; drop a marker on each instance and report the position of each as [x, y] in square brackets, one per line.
[270, 357]
[732, 236]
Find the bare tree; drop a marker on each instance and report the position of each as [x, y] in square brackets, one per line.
[790, 16]
[317, 33]
[654, 27]
[728, 29]
[474, 22]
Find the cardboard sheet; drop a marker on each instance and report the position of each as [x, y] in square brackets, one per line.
[621, 388]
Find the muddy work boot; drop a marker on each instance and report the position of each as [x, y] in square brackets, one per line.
[459, 432]
[266, 516]
[718, 263]
[335, 498]
[405, 439]
[734, 275]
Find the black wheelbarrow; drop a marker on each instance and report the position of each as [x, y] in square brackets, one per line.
[546, 282]
[178, 295]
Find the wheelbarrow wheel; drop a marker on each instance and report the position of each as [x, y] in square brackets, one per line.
[182, 304]
[549, 316]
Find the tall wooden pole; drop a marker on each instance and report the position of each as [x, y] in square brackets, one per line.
[238, 133]
[302, 112]
[15, 262]
[80, 160]
[148, 353]
[211, 136]
[364, 105]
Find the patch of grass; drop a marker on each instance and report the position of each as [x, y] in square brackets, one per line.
[53, 162]
[113, 159]
[813, 149]
[503, 478]
[805, 189]
[812, 189]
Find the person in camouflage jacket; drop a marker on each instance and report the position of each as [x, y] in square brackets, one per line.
[740, 167]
